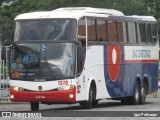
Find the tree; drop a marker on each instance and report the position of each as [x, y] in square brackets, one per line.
[11, 8]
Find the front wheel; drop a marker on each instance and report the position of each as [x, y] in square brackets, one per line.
[95, 102]
[92, 96]
[34, 106]
[88, 104]
[82, 103]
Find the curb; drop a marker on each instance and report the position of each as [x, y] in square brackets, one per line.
[13, 102]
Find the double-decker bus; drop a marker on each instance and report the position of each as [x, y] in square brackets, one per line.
[83, 55]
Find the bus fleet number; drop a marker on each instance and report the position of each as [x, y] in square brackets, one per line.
[63, 82]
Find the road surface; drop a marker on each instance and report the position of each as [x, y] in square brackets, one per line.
[106, 109]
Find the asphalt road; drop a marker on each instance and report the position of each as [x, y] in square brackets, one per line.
[105, 109]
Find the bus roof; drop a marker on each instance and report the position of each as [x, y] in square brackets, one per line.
[70, 12]
[135, 18]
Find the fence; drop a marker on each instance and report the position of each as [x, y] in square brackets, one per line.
[4, 73]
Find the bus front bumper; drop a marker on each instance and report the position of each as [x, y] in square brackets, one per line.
[65, 96]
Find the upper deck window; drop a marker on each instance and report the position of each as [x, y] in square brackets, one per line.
[50, 29]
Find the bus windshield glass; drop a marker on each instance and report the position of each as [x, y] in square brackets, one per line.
[45, 29]
[42, 61]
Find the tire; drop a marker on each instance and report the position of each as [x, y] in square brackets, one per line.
[142, 95]
[136, 98]
[88, 104]
[34, 106]
[82, 103]
[124, 101]
[94, 102]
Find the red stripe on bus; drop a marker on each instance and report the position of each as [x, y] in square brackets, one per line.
[49, 96]
[141, 61]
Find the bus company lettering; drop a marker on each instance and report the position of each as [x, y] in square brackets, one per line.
[141, 54]
[40, 96]
[40, 80]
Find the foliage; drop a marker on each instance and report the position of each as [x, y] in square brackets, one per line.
[11, 8]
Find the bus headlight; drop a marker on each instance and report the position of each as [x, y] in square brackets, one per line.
[12, 96]
[68, 87]
[15, 88]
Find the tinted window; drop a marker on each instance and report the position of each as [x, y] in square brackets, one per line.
[102, 30]
[91, 24]
[81, 48]
[149, 33]
[112, 31]
[81, 29]
[131, 32]
[53, 29]
[154, 33]
[142, 28]
[121, 28]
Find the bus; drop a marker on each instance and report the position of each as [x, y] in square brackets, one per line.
[83, 55]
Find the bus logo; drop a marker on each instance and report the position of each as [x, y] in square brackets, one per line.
[39, 87]
[114, 53]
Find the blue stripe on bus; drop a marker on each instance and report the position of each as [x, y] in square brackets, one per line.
[124, 84]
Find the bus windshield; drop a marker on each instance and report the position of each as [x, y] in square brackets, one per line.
[45, 29]
[42, 61]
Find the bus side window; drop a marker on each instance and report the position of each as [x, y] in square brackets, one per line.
[91, 25]
[82, 31]
[102, 30]
[142, 28]
[131, 32]
[112, 31]
[154, 33]
[81, 49]
[121, 32]
[149, 33]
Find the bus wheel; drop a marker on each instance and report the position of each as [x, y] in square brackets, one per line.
[142, 94]
[88, 104]
[136, 98]
[95, 102]
[82, 103]
[124, 101]
[34, 106]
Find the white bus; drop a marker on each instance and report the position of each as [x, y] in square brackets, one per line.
[83, 55]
